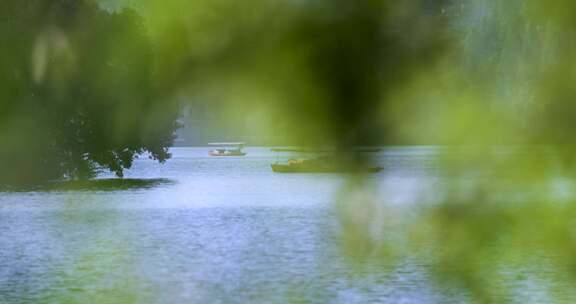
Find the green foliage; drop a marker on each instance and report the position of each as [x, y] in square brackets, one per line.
[502, 211]
[307, 71]
[77, 91]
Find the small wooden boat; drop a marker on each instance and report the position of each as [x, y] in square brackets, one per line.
[330, 161]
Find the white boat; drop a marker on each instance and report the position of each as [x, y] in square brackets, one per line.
[227, 149]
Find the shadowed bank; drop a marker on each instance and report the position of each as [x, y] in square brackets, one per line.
[111, 184]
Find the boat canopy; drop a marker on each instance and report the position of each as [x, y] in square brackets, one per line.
[227, 144]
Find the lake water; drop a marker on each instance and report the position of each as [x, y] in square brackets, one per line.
[212, 230]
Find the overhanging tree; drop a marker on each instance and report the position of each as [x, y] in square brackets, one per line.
[77, 92]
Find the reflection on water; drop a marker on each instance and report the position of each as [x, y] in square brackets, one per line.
[208, 230]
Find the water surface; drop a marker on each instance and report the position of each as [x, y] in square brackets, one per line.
[213, 230]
